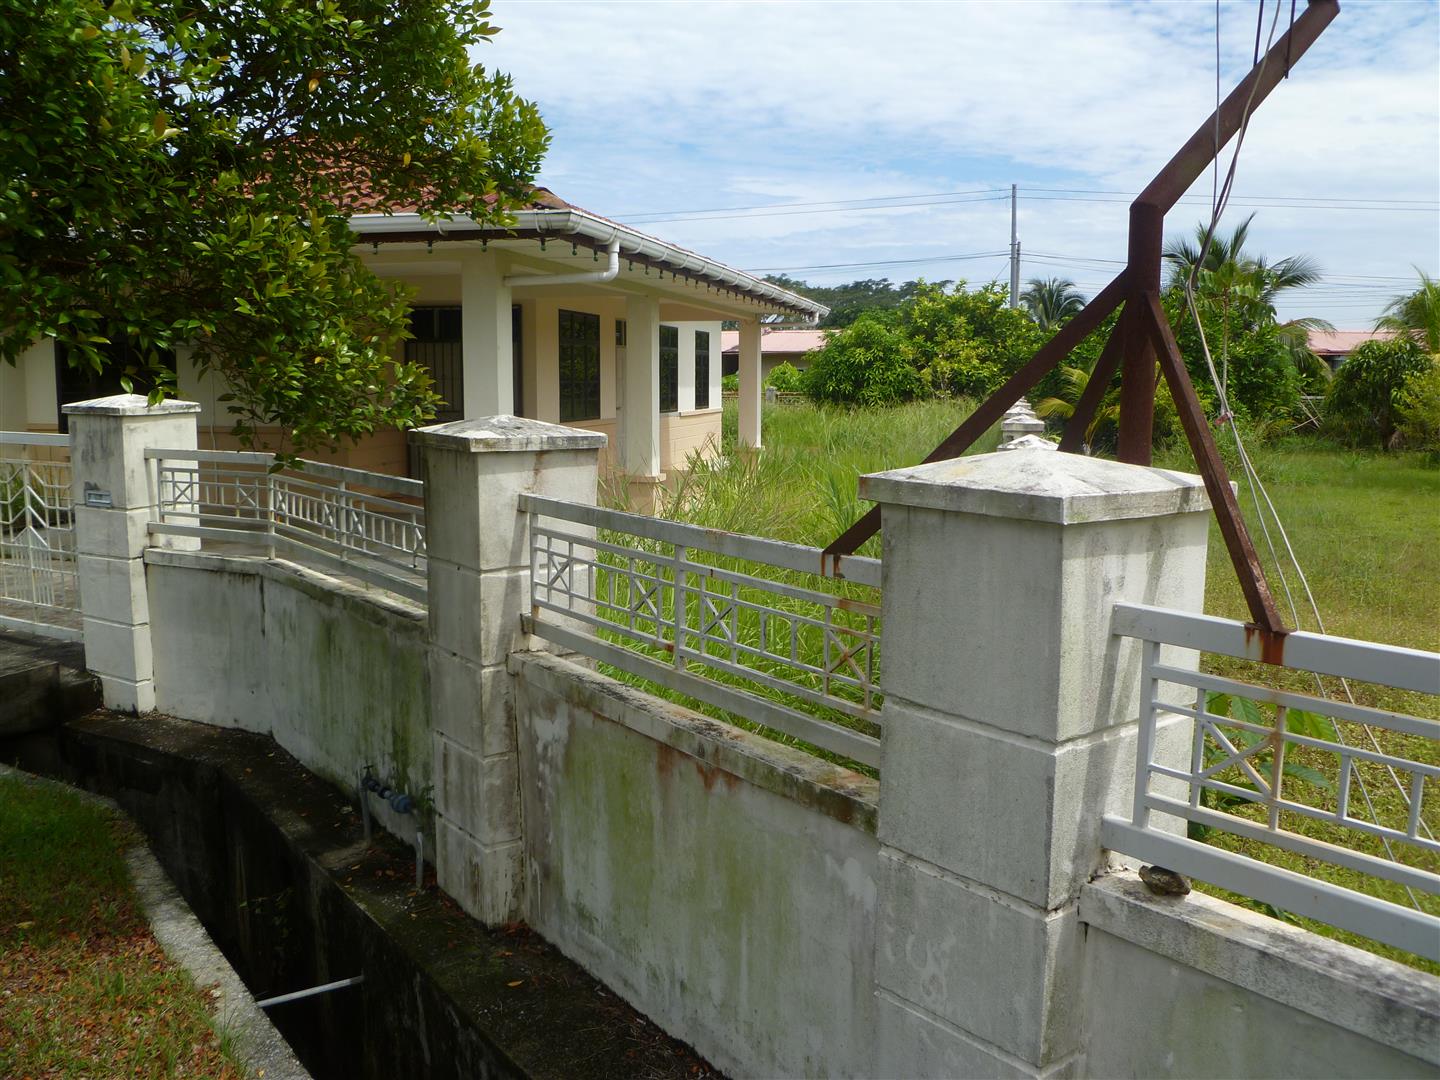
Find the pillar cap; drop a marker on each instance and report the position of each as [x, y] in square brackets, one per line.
[129, 405]
[489, 434]
[1039, 485]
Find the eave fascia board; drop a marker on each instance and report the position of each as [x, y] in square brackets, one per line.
[598, 231]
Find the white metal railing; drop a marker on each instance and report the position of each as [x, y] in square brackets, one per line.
[365, 525]
[1275, 767]
[39, 587]
[738, 622]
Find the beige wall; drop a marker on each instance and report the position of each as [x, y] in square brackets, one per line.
[27, 392]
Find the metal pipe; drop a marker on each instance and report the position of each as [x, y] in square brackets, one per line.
[588, 277]
[324, 988]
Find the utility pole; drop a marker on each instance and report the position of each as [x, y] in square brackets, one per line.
[1014, 250]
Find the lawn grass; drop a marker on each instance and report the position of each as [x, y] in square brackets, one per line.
[85, 990]
[1364, 525]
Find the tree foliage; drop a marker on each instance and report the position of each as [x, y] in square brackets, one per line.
[849, 301]
[939, 342]
[1416, 314]
[180, 174]
[1368, 391]
[1052, 302]
[1265, 363]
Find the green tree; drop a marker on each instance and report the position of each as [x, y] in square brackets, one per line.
[1416, 314]
[849, 301]
[1368, 392]
[865, 363]
[966, 342]
[181, 173]
[1235, 294]
[1052, 302]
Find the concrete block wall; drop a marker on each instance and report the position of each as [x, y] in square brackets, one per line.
[780, 914]
[722, 883]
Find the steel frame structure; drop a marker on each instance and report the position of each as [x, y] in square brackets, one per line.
[1142, 334]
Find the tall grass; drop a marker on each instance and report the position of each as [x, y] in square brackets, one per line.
[1363, 524]
[802, 488]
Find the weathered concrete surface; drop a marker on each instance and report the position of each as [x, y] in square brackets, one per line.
[1193, 986]
[272, 860]
[722, 883]
[335, 672]
[42, 682]
[258, 1046]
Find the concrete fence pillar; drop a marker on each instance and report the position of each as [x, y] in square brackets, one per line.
[114, 500]
[1009, 730]
[478, 547]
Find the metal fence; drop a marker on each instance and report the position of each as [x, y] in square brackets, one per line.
[363, 525]
[748, 625]
[1329, 780]
[39, 587]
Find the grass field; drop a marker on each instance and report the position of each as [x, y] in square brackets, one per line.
[1364, 527]
[85, 990]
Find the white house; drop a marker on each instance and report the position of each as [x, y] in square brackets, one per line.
[562, 316]
[778, 345]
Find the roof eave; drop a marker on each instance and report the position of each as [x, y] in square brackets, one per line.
[578, 223]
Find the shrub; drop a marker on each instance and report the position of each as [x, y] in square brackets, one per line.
[1361, 407]
[864, 364]
[1418, 408]
[786, 378]
[730, 384]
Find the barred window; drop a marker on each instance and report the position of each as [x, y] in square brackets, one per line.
[702, 369]
[579, 366]
[669, 368]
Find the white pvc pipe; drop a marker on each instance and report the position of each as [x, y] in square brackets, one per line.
[588, 277]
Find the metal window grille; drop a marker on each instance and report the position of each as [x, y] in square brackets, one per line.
[744, 624]
[579, 366]
[669, 369]
[1284, 769]
[39, 586]
[702, 369]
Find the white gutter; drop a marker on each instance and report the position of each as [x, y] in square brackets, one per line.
[579, 223]
[588, 277]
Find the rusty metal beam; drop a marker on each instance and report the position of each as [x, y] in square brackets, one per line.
[1190, 163]
[1251, 574]
[1137, 368]
[993, 407]
[1101, 374]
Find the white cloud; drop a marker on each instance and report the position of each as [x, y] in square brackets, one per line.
[674, 106]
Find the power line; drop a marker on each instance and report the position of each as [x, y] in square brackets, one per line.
[1052, 194]
[877, 262]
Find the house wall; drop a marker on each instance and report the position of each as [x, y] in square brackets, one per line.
[722, 883]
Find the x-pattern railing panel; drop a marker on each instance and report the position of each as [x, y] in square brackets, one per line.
[1337, 782]
[712, 606]
[360, 523]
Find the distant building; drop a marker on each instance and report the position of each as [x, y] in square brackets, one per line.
[1335, 346]
[776, 347]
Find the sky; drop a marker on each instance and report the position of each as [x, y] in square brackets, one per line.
[833, 141]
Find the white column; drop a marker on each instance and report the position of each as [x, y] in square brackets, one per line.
[750, 379]
[114, 502]
[639, 454]
[487, 356]
[478, 546]
[1009, 730]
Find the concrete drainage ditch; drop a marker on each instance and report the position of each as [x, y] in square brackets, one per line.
[273, 862]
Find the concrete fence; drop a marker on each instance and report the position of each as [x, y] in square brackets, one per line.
[784, 915]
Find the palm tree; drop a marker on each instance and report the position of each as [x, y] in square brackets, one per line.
[1242, 288]
[1416, 314]
[1052, 301]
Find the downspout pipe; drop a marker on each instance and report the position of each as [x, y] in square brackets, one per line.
[588, 277]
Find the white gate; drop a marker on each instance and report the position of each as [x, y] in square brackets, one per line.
[39, 588]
